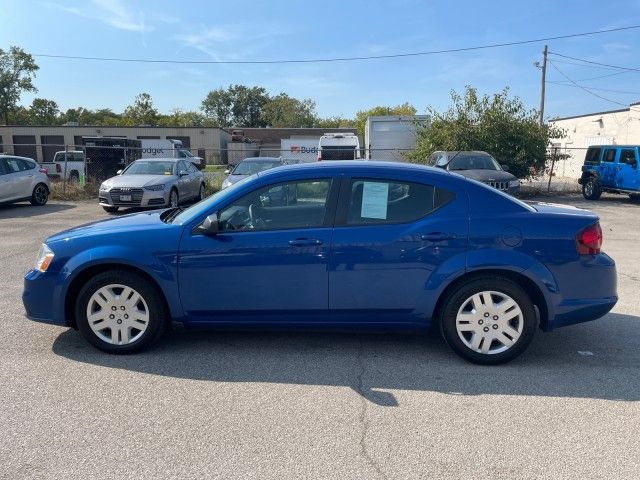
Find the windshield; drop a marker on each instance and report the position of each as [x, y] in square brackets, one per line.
[474, 162]
[338, 153]
[146, 167]
[250, 168]
[187, 214]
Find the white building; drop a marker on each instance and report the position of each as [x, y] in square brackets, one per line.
[613, 127]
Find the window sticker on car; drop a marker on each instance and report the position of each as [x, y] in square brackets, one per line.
[374, 200]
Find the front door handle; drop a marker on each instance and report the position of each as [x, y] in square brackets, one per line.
[437, 236]
[301, 242]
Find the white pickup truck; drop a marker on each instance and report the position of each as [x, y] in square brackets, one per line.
[70, 170]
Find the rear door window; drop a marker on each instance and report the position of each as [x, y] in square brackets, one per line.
[377, 202]
[609, 155]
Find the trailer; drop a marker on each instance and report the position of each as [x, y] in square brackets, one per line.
[392, 137]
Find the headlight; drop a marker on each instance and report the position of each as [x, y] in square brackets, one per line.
[514, 183]
[154, 188]
[104, 188]
[45, 256]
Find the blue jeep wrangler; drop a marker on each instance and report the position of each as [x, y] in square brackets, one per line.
[611, 168]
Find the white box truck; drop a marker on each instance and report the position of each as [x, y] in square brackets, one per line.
[339, 146]
[157, 148]
[301, 150]
[391, 137]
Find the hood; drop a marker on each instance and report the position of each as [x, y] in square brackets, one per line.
[137, 181]
[235, 178]
[487, 175]
[131, 222]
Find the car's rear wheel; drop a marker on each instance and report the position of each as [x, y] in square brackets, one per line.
[489, 320]
[110, 209]
[174, 199]
[120, 312]
[201, 193]
[40, 195]
[591, 189]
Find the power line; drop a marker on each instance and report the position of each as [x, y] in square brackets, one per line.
[583, 65]
[594, 88]
[603, 76]
[585, 88]
[630, 69]
[343, 59]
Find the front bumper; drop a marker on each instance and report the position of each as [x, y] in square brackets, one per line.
[40, 299]
[133, 197]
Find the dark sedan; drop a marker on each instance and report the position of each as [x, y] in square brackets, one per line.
[478, 166]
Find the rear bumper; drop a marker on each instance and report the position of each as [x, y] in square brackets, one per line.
[587, 290]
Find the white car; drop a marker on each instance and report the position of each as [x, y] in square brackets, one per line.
[22, 179]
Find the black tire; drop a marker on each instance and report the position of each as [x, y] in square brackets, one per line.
[635, 197]
[460, 296]
[110, 209]
[40, 195]
[174, 192]
[591, 189]
[158, 317]
[201, 193]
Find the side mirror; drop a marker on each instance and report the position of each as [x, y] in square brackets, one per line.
[210, 226]
[119, 172]
[227, 171]
[182, 173]
[505, 167]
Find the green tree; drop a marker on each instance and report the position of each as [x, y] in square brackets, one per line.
[236, 105]
[285, 111]
[142, 112]
[17, 69]
[498, 124]
[19, 116]
[362, 115]
[43, 112]
[334, 122]
[182, 118]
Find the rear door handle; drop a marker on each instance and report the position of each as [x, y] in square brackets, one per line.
[437, 236]
[301, 242]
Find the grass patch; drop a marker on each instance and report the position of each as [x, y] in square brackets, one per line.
[213, 183]
[215, 168]
[72, 191]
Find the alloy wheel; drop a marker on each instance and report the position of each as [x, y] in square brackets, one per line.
[40, 194]
[173, 198]
[489, 322]
[117, 314]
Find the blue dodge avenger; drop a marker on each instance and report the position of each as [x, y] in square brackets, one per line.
[358, 245]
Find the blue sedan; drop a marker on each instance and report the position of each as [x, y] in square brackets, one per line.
[358, 245]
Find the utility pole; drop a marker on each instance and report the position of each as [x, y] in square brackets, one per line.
[544, 75]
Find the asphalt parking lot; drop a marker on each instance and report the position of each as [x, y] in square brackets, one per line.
[251, 405]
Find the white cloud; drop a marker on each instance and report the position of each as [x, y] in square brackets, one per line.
[110, 12]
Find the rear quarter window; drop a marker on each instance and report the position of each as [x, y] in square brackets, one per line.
[593, 156]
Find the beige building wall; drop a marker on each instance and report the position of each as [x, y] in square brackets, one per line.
[616, 127]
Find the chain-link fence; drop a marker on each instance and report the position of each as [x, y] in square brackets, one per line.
[84, 167]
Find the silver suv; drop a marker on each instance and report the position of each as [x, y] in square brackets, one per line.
[22, 179]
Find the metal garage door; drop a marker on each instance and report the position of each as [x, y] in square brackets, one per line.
[50, 145]
[25, 146]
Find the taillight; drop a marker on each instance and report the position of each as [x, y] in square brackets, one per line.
[43, 170]
[589, 240]
[58, 168]
[319, 157]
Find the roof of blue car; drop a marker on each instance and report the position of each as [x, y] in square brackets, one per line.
[348, 165]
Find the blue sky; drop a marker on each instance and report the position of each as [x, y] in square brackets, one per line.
[215, 30]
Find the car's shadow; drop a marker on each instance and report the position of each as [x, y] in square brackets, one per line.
[597, 360]
[25, 210]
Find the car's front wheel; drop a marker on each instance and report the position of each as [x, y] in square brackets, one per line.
[174, 200]
[120, 312]
[40, 195]
[591, 189]
[201, 193]
[489, 320]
